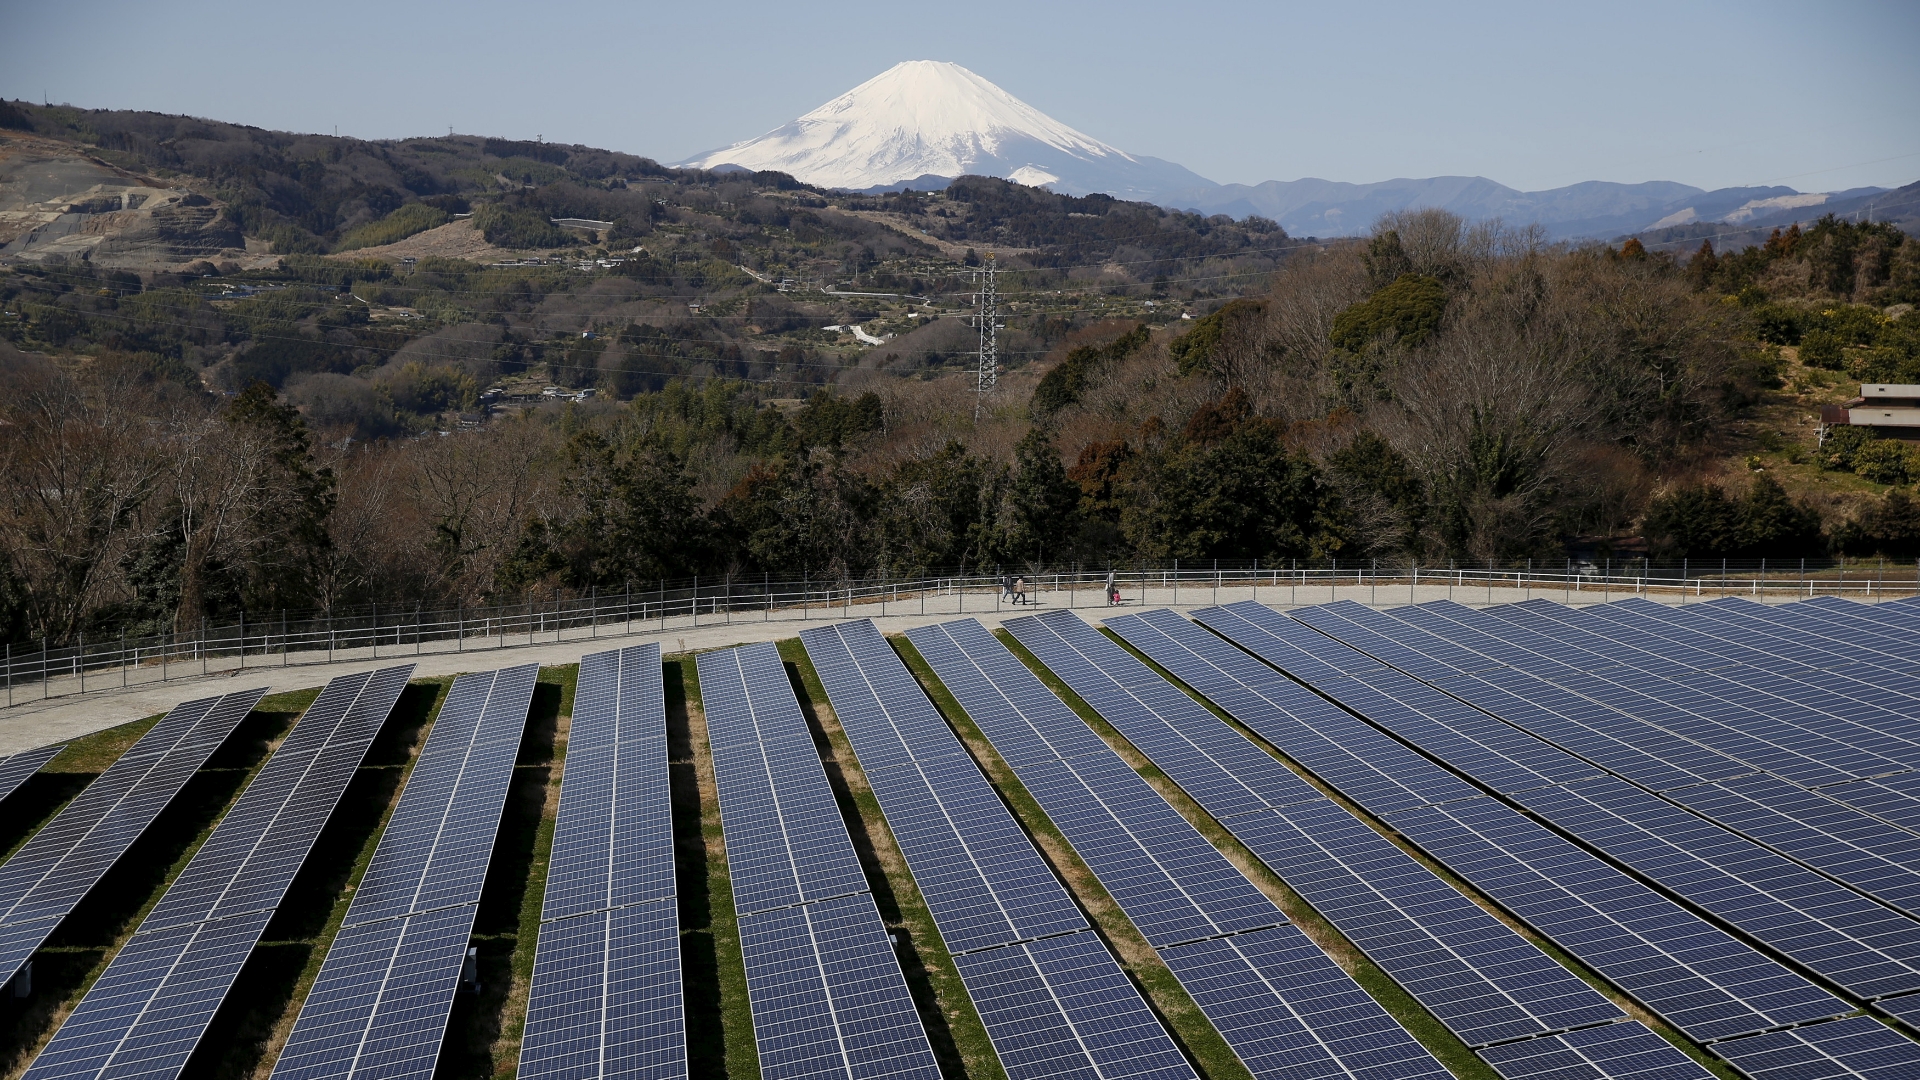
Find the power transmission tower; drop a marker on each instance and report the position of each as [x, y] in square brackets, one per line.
[988, 320]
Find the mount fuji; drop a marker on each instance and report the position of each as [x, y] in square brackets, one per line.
[924, 122]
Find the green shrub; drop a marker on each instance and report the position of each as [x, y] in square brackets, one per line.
[1838, 449]
[1821, 349]
[1886, 461]
[1407, 311]
[395, 227]
[292, 240]
[519, 228]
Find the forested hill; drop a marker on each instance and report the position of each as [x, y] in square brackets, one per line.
[414, 384]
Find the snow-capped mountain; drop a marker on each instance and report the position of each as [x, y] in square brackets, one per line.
[926, 119]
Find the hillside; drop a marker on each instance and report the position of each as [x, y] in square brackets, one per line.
[391, 403]
[315, 256]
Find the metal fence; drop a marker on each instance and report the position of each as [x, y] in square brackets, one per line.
[42, 670]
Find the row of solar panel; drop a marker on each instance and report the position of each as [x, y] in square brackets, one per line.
[825, 987]
[1477, 976]
[383, 993]
[605, 998]
[1273, 995]
[1053, 999]
[1850, 847]
[1846, 938]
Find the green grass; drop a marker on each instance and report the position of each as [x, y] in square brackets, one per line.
[76, 954]
[954, 1029]
[720, 1040]
[1565, 959]
[1189, 1026]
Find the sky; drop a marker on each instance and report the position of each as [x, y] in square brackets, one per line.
[1818, 97]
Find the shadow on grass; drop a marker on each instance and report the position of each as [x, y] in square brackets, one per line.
[699, 955]
[240, 1033]
[75, 952]
[926, 1000]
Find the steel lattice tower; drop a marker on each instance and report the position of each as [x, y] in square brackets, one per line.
[988, 319]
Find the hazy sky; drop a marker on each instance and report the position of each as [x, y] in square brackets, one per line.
[1816, 96]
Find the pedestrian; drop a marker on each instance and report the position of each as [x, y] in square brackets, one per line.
[1019, 591]
[1113, 589]
[1006, 587]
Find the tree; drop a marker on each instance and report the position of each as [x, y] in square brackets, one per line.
[1701, 521]
[1231, 490]
[1044, 505]
[638, 519]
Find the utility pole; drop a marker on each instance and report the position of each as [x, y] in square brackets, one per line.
[988, 320]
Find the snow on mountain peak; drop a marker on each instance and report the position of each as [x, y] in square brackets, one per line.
[933, 118]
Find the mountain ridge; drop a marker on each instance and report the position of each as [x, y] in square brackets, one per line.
[922, 123]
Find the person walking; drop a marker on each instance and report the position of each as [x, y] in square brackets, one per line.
[1019, 591]
[1113, 589]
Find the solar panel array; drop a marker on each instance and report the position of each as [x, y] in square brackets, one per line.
[18, 768]
[55, 869]
[1280, 1002]
[1776, 861]
[1474, 974]
[1694, 975]
[824, 984]
[1053, 999]
[606, 999]
[379, 1006]
[147, 1012]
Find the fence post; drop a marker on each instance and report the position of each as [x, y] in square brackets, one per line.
[46, 643]
[1176, 583]
[460, 624]
[123, 658]
[243, 639]
[694, 604]
[374, 637]
[80, 662]
[9, 674]
[284, 649]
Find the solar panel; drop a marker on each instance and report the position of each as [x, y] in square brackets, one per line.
[380, 1003]
[825, 987]
[1706, 707]
[1061, 1007]
[1833, 838]
[1624, 1051]
[1850, 940]
[1904, 1009]
[1894, 799]
[827, 994]
[1692, 974]
[982, 879]
[1852, 734]
[1364, 764]
[1166, 878]
[1478, 977]
[988, 889]
[15, 770]
[786, 841]
[55, 869]
[1859, 1046]
[1288, 1013]
[149, 1009]
[606, 998]
[1170, 881]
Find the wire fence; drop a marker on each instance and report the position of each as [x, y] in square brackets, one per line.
[42, 670]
